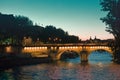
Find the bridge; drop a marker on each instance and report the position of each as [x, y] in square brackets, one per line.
[56, 50]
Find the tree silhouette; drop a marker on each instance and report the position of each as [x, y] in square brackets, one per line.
[16, 28]
[112, 20]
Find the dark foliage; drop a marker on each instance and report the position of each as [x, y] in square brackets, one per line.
[16, 27]
[112, 19]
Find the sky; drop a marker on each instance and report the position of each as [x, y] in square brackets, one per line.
[78, 17]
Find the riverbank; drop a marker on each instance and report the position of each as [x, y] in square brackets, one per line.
[6, 63]
[117, 61]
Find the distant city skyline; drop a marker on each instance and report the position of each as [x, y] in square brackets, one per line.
[78, 17]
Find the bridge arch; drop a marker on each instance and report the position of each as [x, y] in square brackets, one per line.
[59, 54]
[100, 56]
[100, 49]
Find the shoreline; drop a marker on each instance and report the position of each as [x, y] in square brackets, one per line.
[7, 63]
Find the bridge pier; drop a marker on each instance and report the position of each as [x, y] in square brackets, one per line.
[84, 56]
[55, 50]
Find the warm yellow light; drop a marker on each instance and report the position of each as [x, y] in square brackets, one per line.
[8, 49]
[76, 47]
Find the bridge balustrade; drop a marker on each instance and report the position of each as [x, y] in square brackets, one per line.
[58, 49]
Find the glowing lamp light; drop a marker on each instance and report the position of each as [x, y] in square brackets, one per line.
[76, 47]
[25, 48]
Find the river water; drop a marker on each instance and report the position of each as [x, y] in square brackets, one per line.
[99, 67]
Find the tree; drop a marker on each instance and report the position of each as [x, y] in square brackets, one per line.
[15, 28]
[112, 20]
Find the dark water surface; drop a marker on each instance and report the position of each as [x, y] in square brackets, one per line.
[99, 67]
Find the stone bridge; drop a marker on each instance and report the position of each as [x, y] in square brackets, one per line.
[56, 50]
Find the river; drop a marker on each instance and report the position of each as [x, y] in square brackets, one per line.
[99, 67]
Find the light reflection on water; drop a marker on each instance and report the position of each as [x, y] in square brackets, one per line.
[71, 69]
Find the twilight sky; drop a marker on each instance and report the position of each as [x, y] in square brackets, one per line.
[78, 17]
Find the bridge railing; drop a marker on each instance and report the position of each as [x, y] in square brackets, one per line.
[71, 44]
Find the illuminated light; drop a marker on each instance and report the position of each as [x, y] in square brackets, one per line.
[76, 47]
[40, 47]
[107, 47]
[51, 47]
[60, 48]
[25, 48]
[29, 47]
[37, 47]
[8, 49]
[32, 48]
[100, 64]
[45, 47]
